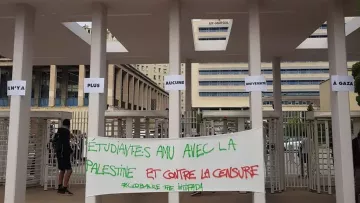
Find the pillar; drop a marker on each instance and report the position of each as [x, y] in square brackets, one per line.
[188, 96]
[15, 185]
[81, 94]
[125, 95]
[64, 85]
[255, 70]
[52, 85]
[147, 128]
[136, 93]
[131, 91]
[225, 126]
[141, 96]
[137, 128]
[98, 64]
[149, 97]
[277, 99]
[340, 111]
[111, 85]
[174, 64]
[37, 87]
[240, 124]
[129, 127]
[118, 87]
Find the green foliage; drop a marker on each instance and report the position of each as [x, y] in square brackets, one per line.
[310, 107]
[355, 69]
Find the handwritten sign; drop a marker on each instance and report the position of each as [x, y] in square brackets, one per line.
[342, 83]
[255, 84]
[94, 85]
[231, 162]
[16, 87]
[174, 82]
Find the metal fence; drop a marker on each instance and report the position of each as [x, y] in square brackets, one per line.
[307, 156]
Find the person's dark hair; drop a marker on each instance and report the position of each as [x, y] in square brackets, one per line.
[66, 122]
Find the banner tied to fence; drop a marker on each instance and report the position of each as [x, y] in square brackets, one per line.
[230, 162]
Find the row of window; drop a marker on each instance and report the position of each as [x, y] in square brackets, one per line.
[242, 83]
[267, 71]
[265, 94]
[289, 102]
[213, 29]
[212, 38]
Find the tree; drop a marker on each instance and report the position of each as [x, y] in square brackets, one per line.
[310, 107]
[355, 72]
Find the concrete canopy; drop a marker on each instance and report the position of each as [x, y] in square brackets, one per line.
[142, 27]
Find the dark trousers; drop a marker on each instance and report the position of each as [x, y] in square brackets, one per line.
[357, 184]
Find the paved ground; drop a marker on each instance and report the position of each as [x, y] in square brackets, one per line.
[38, 195]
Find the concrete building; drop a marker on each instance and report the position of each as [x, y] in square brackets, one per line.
[62, 86]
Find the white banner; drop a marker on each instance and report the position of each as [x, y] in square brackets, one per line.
[231, 162]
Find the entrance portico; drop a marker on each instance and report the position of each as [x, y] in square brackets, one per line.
[165, 25]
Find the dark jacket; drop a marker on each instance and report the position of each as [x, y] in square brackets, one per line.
[64, 148]
[356, 152]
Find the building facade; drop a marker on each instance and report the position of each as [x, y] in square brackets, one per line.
[63, 86]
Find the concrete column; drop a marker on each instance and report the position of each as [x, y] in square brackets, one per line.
[52, 85]
[145, 97]
[98, 63]
[240, 124]
[344, 179]
[136, 93]
[37, 87]
[147, 128]
[278, 108]
[149, 97]
[17, 154]
[141, 96]
[129, 127]
[111, 85]
[118, 86]
[188, 96]
[255, 70]
[131, 91]
[81, 94]
[137, 128]
[125, 97]
[175, 69]
[225, 126]
[64, 85]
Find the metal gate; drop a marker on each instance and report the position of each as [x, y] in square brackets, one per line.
[35, 161]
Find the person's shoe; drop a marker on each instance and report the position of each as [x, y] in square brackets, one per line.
[67, 192]
[60, 189]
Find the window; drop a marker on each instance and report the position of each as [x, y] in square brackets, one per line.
[213, 29]
[265, 94]
[154, 77]
[159, 70]
[159, 77]
[266, 71]
[212, 38]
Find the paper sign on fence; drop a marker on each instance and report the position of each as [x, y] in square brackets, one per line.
[231, 162]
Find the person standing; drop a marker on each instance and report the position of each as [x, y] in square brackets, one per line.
[63, 154]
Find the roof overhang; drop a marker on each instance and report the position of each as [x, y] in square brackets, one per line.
[143, 28]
